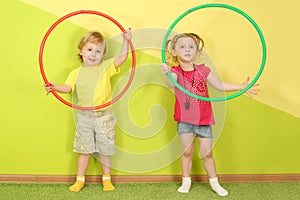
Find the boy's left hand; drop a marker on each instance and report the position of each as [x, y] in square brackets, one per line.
[127, 35]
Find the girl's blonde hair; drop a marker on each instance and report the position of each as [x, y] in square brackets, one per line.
[94, 37]
[198, 40]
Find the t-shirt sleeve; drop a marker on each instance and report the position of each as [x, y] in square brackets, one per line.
[72, 78]
[110, 66]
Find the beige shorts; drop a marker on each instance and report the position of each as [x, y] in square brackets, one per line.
[95, 132]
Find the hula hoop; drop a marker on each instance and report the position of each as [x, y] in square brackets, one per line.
[42, 67]
[239, 12]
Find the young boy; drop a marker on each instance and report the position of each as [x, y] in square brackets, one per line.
[90, 86]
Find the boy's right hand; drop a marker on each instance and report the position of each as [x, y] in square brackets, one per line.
[164, 68]
[48, 87]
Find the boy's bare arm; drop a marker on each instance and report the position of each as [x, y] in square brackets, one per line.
[124, 49]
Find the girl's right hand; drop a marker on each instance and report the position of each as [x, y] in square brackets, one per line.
[164, 68]
[49, 88]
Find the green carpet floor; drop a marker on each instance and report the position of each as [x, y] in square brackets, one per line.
[151, 191]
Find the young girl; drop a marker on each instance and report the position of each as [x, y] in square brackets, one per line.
[90, 85]
[194, 117]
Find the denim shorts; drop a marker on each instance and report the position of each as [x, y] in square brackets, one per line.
[203, 131]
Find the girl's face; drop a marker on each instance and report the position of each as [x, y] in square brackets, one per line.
[186, 49]
[92, 54]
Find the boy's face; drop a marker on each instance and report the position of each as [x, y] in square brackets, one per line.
[92, 54]
[185, 49]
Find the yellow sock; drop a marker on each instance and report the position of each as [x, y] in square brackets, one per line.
[78, 185]
[107, 185]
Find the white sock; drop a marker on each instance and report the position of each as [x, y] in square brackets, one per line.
[186, 185]
[105, 178]
[215, 186]
[80, 178]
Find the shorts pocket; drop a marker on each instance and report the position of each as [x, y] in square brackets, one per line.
[107, 124]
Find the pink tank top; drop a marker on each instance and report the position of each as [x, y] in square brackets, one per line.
[188, 109]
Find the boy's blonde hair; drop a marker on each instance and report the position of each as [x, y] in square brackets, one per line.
[94, 37]
[198, 40]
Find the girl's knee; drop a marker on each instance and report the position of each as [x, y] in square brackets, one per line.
[188, 151]
[206, 154]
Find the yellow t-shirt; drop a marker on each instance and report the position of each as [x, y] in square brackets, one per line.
[91, 85]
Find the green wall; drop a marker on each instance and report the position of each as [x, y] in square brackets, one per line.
[257, 135]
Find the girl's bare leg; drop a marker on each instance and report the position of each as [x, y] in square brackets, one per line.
[209, 165]
[186, 161]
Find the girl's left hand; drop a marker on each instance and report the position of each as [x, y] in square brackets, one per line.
[253, 90]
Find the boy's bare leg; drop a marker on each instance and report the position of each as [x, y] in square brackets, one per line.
[83, 162]
[106, 178]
